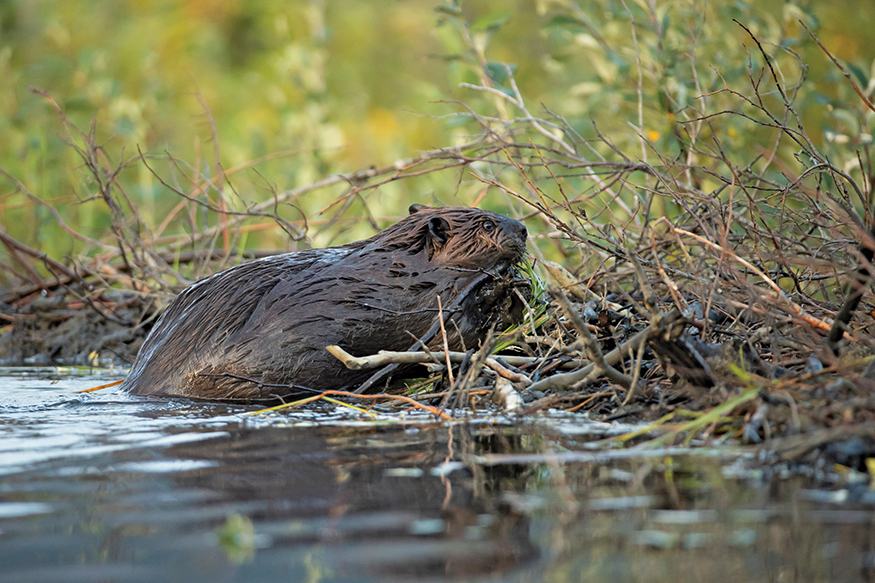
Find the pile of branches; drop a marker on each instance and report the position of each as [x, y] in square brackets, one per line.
[736, 319]
[741, 311]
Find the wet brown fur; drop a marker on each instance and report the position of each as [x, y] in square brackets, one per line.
[268, 321]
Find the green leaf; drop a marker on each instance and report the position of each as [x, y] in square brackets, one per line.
[497, 73]
[565, 21]
[492, 22]
[859, 74]
[452, 9]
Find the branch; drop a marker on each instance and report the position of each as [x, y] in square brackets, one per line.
[844, 71]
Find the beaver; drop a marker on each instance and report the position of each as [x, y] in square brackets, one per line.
[259, 330]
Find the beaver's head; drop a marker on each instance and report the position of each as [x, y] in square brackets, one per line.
[462, 237]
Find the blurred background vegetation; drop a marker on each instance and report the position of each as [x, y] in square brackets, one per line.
[280, 95]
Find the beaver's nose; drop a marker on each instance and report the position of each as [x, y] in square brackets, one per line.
[522, 231]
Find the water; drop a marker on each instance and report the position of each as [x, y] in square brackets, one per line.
[108, 487]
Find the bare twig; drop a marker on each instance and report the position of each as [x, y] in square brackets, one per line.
[844, 71]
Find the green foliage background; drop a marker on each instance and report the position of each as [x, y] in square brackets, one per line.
[329, 87]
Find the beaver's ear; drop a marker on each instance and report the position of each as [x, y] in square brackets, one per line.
[439, 229]
[415, 208]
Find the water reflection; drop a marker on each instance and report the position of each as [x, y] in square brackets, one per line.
[379, 500]
[110, 488]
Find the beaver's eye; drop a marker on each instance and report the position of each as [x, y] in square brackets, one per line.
[488, 226]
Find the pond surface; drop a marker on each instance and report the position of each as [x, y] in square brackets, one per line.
[108, 487]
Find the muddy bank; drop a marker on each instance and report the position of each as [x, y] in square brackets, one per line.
[64, 329]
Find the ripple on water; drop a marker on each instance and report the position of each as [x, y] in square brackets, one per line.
[107, 486]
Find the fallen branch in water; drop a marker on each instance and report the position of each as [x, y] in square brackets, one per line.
[106, 386]
[416, 404]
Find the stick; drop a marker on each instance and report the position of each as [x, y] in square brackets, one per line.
[446, 342]
[389, 357]
[306, 400]
[614, 357]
